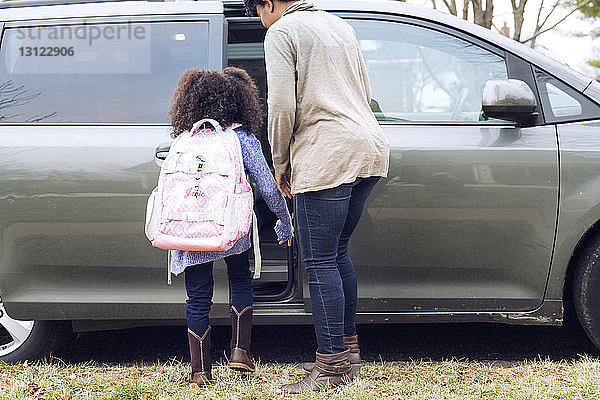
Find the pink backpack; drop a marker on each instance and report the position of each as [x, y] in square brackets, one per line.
[203, 201]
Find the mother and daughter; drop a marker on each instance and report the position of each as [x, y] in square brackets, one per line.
[328, 153]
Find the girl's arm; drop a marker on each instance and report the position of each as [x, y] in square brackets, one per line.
[255, 163]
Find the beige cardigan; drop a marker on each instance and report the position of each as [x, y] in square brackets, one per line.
[326, 132]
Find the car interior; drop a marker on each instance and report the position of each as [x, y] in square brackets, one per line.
[245, 50]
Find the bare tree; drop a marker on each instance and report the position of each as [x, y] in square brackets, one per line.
[547, 17]
[450, 5]
[483, 16]
[519, 16]
[543, 24]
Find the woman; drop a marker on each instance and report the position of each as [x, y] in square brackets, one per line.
[328, 151]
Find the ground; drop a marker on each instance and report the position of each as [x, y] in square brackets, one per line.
[433, 361]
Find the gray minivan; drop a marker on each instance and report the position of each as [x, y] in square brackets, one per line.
[489, 213]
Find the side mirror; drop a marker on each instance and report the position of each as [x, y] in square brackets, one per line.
[509, 99]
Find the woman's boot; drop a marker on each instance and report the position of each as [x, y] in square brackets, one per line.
[351, 343]
[200, 355]
[241, 333]
[330, 370]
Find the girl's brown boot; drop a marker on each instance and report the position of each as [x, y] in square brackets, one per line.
[200, 355]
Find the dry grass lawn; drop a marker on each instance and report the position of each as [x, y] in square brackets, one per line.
[453, 379]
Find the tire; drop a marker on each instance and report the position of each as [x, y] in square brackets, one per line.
[586, 290]
[44, 338]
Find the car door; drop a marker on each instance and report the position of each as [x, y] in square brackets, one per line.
[577, 120]
[77, 159]
[465, 220]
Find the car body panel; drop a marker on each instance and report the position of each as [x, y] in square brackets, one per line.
[549, 313]
[449, 185]
[72, 215]
[593, 91]
[579, 207]
[72, 205]
[465, 220]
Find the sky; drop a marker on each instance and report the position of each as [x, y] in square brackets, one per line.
[562, 44]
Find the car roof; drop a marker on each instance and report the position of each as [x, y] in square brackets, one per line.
[40, 10]
[51, 9]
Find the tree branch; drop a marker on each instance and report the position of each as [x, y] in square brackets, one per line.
[556, 4]
[535, 35]
[539, 14]
[451, 6]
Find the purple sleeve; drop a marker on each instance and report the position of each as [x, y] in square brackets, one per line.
[255, 163]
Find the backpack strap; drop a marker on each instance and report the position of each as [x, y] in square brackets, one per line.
[169, 267]
[239, 160]
[198, 124]
[255, 236]
[256, 245]
[214, 123]
[240, 165]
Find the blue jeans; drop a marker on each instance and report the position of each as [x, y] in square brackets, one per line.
[326, 220]
[199, 285]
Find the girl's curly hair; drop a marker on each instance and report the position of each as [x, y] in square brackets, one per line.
[228, 97]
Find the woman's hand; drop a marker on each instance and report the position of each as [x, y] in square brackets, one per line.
[283, 183]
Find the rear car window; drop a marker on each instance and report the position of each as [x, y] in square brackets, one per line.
[97, 73]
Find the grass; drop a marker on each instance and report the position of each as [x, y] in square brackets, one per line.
[452, 379]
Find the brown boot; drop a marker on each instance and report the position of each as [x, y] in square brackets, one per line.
[241, 333]
[200, 355]
[330, 370]
[351, 343]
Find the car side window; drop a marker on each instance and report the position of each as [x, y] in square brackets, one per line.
[419, 74]
[561, 102]
[97, 73]
[245, 49]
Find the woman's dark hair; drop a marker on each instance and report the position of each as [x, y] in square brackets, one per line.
[251, 5]
[228, 97]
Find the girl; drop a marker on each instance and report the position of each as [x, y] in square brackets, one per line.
[229, 97]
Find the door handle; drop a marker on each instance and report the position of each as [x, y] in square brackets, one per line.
[162, 150]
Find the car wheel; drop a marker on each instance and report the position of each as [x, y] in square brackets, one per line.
[30, 340]
[586, 290]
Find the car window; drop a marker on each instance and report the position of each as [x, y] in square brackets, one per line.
[245, 49]
[419, 74]
[97, 73]
[561, 102]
